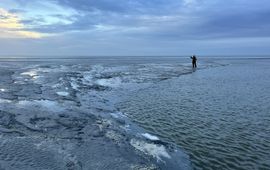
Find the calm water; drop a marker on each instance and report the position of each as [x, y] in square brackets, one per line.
[220, 116]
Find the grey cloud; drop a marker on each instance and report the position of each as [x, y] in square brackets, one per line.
[240, 24]
[15, 11]
[206, 20]
[120, 6]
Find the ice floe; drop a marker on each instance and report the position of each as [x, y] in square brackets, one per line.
[150, 137]
[74, 84]
[111, 82]
[156, 151]
[62, 93]
[45, 104]
[118, 115]
[5, 101]
[30, 73]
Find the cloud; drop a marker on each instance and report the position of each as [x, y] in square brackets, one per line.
[19, 34]
[9, 20]
[168, 19]
[12, 27]
[190, 2]
[16, 11]
[120, 6]
[135, 24]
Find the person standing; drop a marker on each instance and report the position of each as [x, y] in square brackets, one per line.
[194, 61]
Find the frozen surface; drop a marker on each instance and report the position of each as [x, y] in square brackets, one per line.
[63, 116]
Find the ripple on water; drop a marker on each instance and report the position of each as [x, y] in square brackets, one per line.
[223, 121]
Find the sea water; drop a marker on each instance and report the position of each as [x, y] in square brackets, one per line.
[63, 109]
[220, 116]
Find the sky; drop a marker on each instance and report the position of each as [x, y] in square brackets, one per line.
[134, 27]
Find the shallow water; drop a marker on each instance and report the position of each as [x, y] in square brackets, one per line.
[220, 116]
